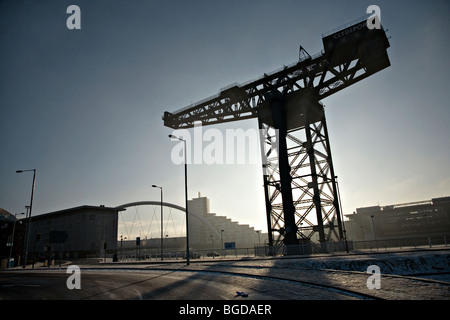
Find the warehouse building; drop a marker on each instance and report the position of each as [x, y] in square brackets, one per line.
[73, 233]
[92, 231]
[425, 220]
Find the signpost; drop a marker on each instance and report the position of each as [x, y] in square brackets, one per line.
[105, 245]
[138, 247]
[230, 245]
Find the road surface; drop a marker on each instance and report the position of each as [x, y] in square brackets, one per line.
[341, 277]
[153, 285]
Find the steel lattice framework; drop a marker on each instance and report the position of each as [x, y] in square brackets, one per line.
[314, 197]
[299, 179]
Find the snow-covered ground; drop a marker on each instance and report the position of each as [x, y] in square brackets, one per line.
[418, 262]
[349, 271]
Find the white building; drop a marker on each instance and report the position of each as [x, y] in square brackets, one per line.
[218, 232]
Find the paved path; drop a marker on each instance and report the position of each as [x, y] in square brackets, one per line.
[313, 278]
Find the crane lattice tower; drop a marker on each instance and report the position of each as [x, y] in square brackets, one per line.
[302, 203]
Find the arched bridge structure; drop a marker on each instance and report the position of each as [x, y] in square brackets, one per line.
[169, 205]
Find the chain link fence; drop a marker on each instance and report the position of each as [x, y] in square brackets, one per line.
[280, 250]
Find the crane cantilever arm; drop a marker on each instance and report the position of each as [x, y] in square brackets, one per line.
[240, 102]
[322, 75]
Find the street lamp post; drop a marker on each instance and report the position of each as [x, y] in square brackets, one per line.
[185, 194]
[28, 231]
[374, 234]
[221, 238]
[429, 231]
[212, 245]
[12, 237]
[162, 233]
[342, 215]
[121, 246]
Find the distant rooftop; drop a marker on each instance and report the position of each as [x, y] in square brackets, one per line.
[6, 216]
[69, 210]
[433, 201]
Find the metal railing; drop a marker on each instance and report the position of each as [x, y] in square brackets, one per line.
[217, 253]
[282, 250]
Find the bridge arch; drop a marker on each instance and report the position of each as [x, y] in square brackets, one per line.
[169, 205]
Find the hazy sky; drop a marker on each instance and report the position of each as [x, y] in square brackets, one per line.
[84, 107]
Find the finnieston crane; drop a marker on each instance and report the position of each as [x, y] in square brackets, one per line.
[302, 203]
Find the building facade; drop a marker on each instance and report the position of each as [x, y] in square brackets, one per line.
[219, 232]
[74, 233]
[415, 220]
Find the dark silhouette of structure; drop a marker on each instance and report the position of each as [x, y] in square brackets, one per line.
[73, 233]
[12, 234]
[300, 188]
